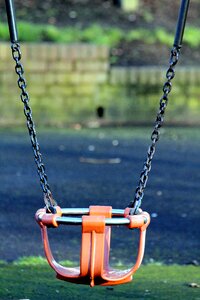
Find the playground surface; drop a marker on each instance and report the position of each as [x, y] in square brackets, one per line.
[171, 196]
[102, 166]
[151, 282]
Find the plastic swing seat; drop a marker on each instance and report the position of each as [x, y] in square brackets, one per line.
[95, 247]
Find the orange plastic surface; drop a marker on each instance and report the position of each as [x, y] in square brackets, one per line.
[94, 257]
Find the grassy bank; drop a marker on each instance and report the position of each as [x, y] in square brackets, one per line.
[97, 34]
[37, 281]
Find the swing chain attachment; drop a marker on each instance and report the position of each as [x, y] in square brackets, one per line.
[19, 69]
[139, 193]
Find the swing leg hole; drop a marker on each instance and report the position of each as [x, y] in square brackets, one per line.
[72, 235]
[120, 254]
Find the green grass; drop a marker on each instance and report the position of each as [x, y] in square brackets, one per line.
[97, 34]
[36, 280]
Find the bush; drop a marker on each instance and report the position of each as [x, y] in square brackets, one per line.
[141, 34]
[102, 36]
[30, 32]
[192, 36]
[4, 33]
[97, 34]
[70, 35]
[163, 37]
[50, 33]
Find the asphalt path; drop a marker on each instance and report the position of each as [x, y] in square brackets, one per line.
[102, 167]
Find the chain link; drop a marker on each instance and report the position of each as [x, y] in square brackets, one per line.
[48, 199]
[139, 193]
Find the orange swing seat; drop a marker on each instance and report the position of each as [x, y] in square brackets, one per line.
[96, 233]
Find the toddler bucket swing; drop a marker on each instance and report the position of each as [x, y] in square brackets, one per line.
[95, 221]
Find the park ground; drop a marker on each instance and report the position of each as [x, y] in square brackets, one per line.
[170, 268]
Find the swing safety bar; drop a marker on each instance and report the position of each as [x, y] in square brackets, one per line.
[78, 221]
[85, 211]
[96, 224]
[47, 218]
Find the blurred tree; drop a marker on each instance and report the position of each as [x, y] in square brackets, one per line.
[104, 12]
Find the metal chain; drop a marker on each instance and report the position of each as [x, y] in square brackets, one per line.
[139, 193]
[48, 199]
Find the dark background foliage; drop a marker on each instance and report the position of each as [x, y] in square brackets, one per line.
[80, 14]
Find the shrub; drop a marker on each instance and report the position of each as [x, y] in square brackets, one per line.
[30, 32]
[4, 33]
[141, 34]
[163, 37]
[50, 33]
[97, 34]
[70, 35]
[192, 36]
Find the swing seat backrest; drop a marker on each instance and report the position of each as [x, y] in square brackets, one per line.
[95, 247]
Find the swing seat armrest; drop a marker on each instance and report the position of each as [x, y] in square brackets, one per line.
[141, 220]
[48, 219]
